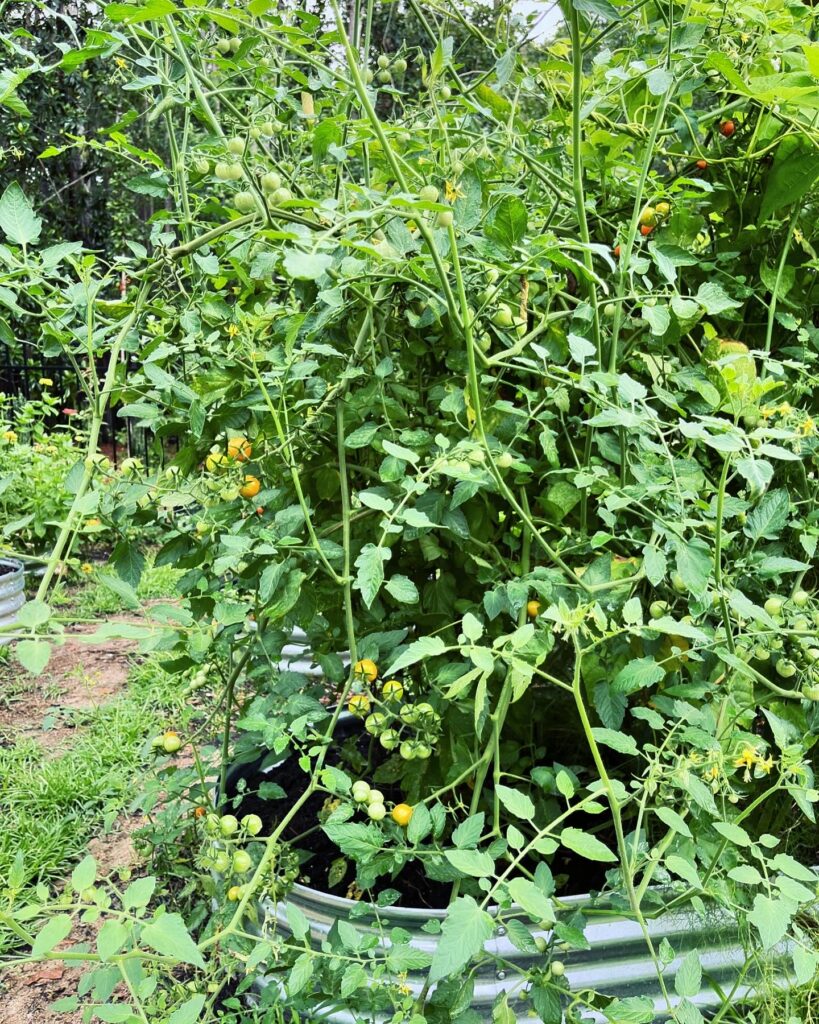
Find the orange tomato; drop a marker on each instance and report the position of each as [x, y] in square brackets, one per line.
[239, 448]
[251, 487]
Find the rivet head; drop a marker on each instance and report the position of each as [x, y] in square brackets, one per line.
[500, 975]
[500, 930]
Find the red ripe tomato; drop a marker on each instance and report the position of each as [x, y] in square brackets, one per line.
[702, 164]
[646, 229]
[617, 251]
[727, 128]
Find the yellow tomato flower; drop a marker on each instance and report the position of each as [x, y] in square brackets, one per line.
[765, 764]
[807, 428]
[453, 191]
[46, 382]
[233, 330]
[10, 436]
[747, 759]
[86, 567]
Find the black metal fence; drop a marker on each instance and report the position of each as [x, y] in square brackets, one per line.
[20, 376]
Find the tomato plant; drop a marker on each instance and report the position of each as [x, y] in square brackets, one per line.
[522, 407]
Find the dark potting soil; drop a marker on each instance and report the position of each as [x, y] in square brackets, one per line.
[319, 855]
[5, 569]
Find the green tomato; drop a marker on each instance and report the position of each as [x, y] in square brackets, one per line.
[374, 723]
[361, 791]
[445, 219]
[244, 202]
[445, 93]
[423, 751]
[201, 166]
[657, 609]
[236, 146]
[400, 66]
[389, 739]
[271, 181]
[812, 654]
[785, 668]
[235, 43]
[252, 824]
[761, 653]
[407, 751]
[558, 968]
[609, 310]
[408, 714]
[375, 796]
[811, 693]
[801, 598]
[428, 194]
[281, 195]
[774, 605]
[242, 862]
[384, 77]
[377, 812]
[502, 316]
[223, 45]
[678, 583]
[383, 61]
[221, 862]
[228, 825]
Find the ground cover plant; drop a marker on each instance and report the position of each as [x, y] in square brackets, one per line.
[496, 380]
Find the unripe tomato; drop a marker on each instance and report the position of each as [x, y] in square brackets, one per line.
[541, 943]
[774, 605]
[401, 814]
[400, 66]
[408, 714]
[785, 668]
[648, 216]
[361, 791]
[223, 45]
[281, 195]
[505, 460]
[657, 609]
[423, 751]
[374, 723]
[228, 825]
[662, 209]
[375, 797]
[502, 316]
[377, 812]
[271, 181]
[223, 170]
[727, 128]
[268, 128]
[201, 166]
[812, 654]
[407, 751]
[358, 704]
[235, 43]
[384, 77]
[389, 739]
[445, 93]
[533, 609]
[221, 862]
[811, 693]
[252, 824]
[445, 219]
[678, 583]
[428, 194]
[801, 598]
[383, 60]
[171, 742]
[367, 669]
[558, 968]
[761, 653]
[242, 862]
[236, 146]
[393, 689]
[609, 310]
[244, 201]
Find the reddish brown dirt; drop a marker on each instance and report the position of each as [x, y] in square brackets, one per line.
[79, 676]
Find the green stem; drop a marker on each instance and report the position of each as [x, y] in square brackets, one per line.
[780, 270]
[98, 413]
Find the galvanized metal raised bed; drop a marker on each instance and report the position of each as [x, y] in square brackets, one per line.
[12, 594]
[617, 963]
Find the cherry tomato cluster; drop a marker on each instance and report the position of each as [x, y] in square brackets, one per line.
[220, 463]
[372, 800]
[412, 729]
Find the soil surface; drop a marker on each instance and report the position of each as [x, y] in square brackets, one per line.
[79, 676]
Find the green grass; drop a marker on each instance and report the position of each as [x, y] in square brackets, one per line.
[92, 598]
[52, 806]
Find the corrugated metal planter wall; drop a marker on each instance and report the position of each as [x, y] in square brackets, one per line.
[616, 964]
[12, 593]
